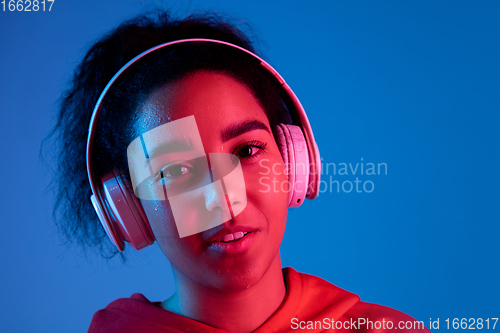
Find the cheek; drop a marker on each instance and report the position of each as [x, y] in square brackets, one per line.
[268, 177]
[181, 252]
[267, 187]
[160, 217]
[162, 224]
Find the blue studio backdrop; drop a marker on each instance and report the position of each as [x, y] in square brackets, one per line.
[410, 86]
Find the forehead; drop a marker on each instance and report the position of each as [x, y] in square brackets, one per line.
[214, 99]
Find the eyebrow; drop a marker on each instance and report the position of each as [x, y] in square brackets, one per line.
[173, 146]
[235, 130]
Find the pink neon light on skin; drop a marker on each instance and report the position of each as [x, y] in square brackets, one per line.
[230, 276]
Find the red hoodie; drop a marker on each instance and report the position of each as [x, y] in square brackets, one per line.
[311, 304]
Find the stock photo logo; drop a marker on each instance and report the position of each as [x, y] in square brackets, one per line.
[359, 176]
[333, 176]
[170, 163]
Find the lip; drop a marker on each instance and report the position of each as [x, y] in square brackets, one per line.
[234, 247]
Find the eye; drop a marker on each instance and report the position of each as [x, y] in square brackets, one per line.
[250, 150]
[246, 151]
[175, 171]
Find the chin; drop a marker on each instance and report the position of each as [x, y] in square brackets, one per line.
[236, 278]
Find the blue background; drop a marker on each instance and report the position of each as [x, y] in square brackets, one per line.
[414, 85]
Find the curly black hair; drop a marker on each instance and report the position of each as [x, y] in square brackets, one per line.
[73, 212]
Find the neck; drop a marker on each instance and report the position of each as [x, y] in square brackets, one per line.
[240, 311]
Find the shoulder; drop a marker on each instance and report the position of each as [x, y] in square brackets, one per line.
[320, 300]
[312, 292]
[126, 306]
[132, 314]
[374, 317]
[311, 286]
[138, 314]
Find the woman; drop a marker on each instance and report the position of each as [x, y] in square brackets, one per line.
[197, 144]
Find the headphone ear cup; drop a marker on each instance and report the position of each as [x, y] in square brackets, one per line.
[293, 148]
[107, 225]
[128, 220]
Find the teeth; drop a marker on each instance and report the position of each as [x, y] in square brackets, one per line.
[228, 238]
[238, 235]
[233, 236]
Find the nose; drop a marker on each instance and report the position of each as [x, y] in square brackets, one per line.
[223, 196]
[234, 195]
[215, 197]
[228, 192]
[226, 196]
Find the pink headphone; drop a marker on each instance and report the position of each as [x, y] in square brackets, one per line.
[120, 211]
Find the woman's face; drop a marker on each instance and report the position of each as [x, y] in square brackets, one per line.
[229, 120]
